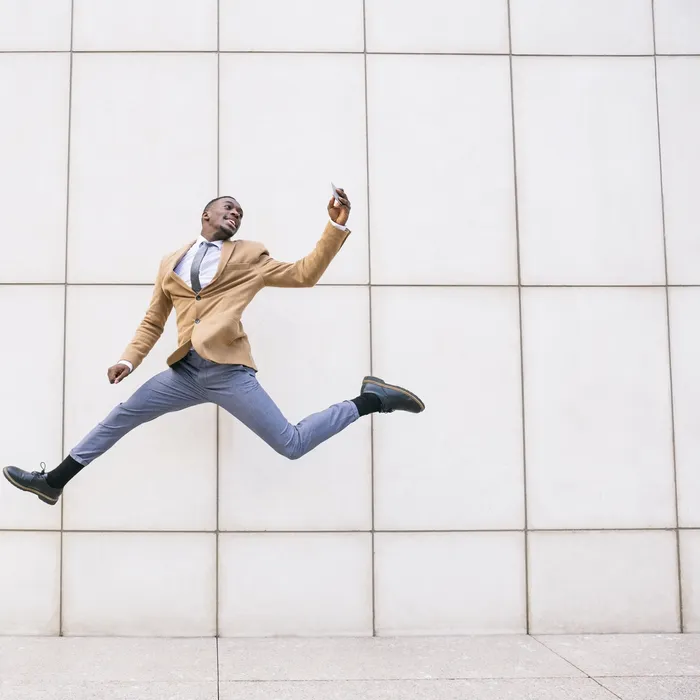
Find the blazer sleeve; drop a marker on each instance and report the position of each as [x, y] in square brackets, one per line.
[151, 328]
[307, 271]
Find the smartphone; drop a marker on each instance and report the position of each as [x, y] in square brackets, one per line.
[335, 191]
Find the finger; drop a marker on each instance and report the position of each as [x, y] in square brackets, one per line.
[331, 204]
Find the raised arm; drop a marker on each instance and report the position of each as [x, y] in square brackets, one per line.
[307, 271]
[147, 334]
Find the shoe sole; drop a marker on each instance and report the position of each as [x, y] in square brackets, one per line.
[21, 487]
[384, 385]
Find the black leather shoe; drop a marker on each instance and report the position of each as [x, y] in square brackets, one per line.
[392, 398]
[34, 482]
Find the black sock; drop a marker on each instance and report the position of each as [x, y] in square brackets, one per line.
[367, 403]
[63, 473]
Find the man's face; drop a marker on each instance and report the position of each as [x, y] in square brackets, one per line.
[225, 217]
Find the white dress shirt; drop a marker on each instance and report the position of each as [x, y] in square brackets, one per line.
[209, 266]
[207, 270]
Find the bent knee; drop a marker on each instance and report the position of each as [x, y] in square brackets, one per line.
[290, 452]
[292, 449]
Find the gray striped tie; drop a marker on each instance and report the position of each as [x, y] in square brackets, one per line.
[196, 264]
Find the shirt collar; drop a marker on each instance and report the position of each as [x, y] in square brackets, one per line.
[201, 239]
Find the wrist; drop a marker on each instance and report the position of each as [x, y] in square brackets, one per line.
[340, 227]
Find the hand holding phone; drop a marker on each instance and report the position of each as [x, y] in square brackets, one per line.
[339, 206]
[339, 196]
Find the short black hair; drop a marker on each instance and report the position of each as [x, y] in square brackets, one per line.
[225, 196]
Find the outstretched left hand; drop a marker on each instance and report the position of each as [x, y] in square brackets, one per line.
[339, 208]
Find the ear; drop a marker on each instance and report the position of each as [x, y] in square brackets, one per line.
[205, 216]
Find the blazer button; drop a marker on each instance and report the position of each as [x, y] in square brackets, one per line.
[196, 320]
[198, 298]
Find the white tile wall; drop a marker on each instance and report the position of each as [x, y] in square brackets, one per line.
[591, 582]
[162, 475]
[143, 161]
[441, 170]
[690, 578]
[34, 147]
[31, 412]
[581, 27]
[138, 25]
[145, 584]
[29, 582]
[286, 134]
[597, 408]
[322, 360]
[588, 171]
[108, 157]
[279, 25]
[684, 310]
[679, 99]
[458, 465]
[35, 25]
[450, 583]
[437, 26]
[676, 24]
[291, 584]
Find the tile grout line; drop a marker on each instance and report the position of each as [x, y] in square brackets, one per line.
[65, 313]
[382, 680]
[300, 52]
[217, 410]
[370, 679]
[681, 622]
[573, 665]
[371, 337]
[218, 669]
[526, 555]
[561, 530]
[426, 681]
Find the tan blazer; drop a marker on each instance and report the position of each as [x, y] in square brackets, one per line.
[211, 320]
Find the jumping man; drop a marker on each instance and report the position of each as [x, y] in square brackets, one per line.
[209, 283]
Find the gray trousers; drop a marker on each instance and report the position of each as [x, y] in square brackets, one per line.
[194, 381]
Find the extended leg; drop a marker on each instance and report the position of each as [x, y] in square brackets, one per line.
[172, 390]
[167, 392]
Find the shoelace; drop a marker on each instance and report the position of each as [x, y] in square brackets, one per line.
[43, 468]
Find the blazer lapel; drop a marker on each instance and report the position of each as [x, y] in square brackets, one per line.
[175, 261]
[226, 252]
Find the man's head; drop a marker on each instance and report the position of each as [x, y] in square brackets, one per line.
[221, 219]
